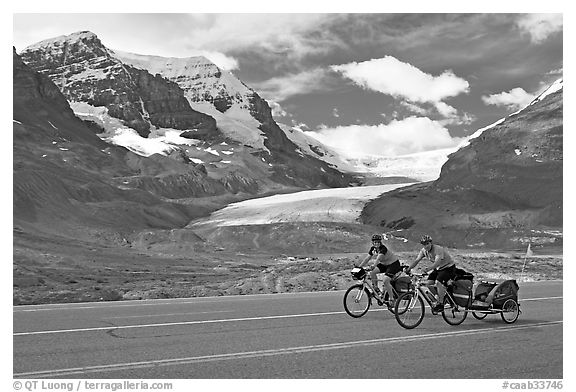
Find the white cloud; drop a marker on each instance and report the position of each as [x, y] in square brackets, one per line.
[223, 61]
[558, 71]
[516, 98]
[277, 32]
[283, 87]
[399, 137]
[540, 26]
[389, 75]
[413, 108]
[335, 112]
[277, 110]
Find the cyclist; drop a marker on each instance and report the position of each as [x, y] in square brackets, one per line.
[443, 267]
[387, 264]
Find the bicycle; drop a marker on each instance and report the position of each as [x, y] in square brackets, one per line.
[358, 298]
[409, 308]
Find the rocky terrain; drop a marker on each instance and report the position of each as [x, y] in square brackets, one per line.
[503, 189]
[58, 271]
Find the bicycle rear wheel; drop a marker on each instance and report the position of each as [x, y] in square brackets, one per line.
[357, 301]
[452, 314]
[409, 310]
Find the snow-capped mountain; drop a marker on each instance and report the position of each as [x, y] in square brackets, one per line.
[151, 104]
[85, 71]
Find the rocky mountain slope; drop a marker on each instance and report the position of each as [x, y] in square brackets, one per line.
[66, 178]
[242, 115]
[504, 188]
[85, 71]
[190, 99]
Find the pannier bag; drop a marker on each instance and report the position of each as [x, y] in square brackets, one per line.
[358, 273]
[402, 284]
[460, 274]
[462, 292]
[502, 292]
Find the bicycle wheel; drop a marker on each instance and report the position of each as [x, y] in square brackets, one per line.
[401, 306]
[510, 311]
[452, 314]
[409, 310]
[357, 301]
[479, 316]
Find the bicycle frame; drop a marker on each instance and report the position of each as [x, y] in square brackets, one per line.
[367, 283]
[423, 289]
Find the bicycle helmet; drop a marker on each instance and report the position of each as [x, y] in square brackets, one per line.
[426, 239]
[376, 237]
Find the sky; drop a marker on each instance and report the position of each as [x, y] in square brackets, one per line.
[383, 84]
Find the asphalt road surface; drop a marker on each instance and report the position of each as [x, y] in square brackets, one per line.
[295, 335]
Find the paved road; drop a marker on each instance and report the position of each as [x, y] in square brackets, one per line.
[296, 335]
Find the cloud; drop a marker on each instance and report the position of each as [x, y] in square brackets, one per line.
[414, 108]
[335, 112]
[399, 137]
[275, 32]
[223, 61]
[540, 26]
[515, 99]
[558, 71]
[282, 87]
[391, 76]
[277, 110]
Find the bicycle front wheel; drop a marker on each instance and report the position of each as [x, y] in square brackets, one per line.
[452, 314]
[357, 301]
[409, 310]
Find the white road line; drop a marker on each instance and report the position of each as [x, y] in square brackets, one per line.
[274, 352]
[110, 328]
[173, 301]
[167, 314]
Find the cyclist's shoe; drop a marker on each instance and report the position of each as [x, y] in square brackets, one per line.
[438, 308]
[390, 304]
[379, 297]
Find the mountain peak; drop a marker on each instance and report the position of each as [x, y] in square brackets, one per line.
[79, 36]
[556, 86]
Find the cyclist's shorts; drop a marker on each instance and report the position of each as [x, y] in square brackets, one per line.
[390, 269]
[443, 275]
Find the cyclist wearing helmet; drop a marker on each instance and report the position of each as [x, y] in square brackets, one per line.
[443, 268]
[387, 264]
